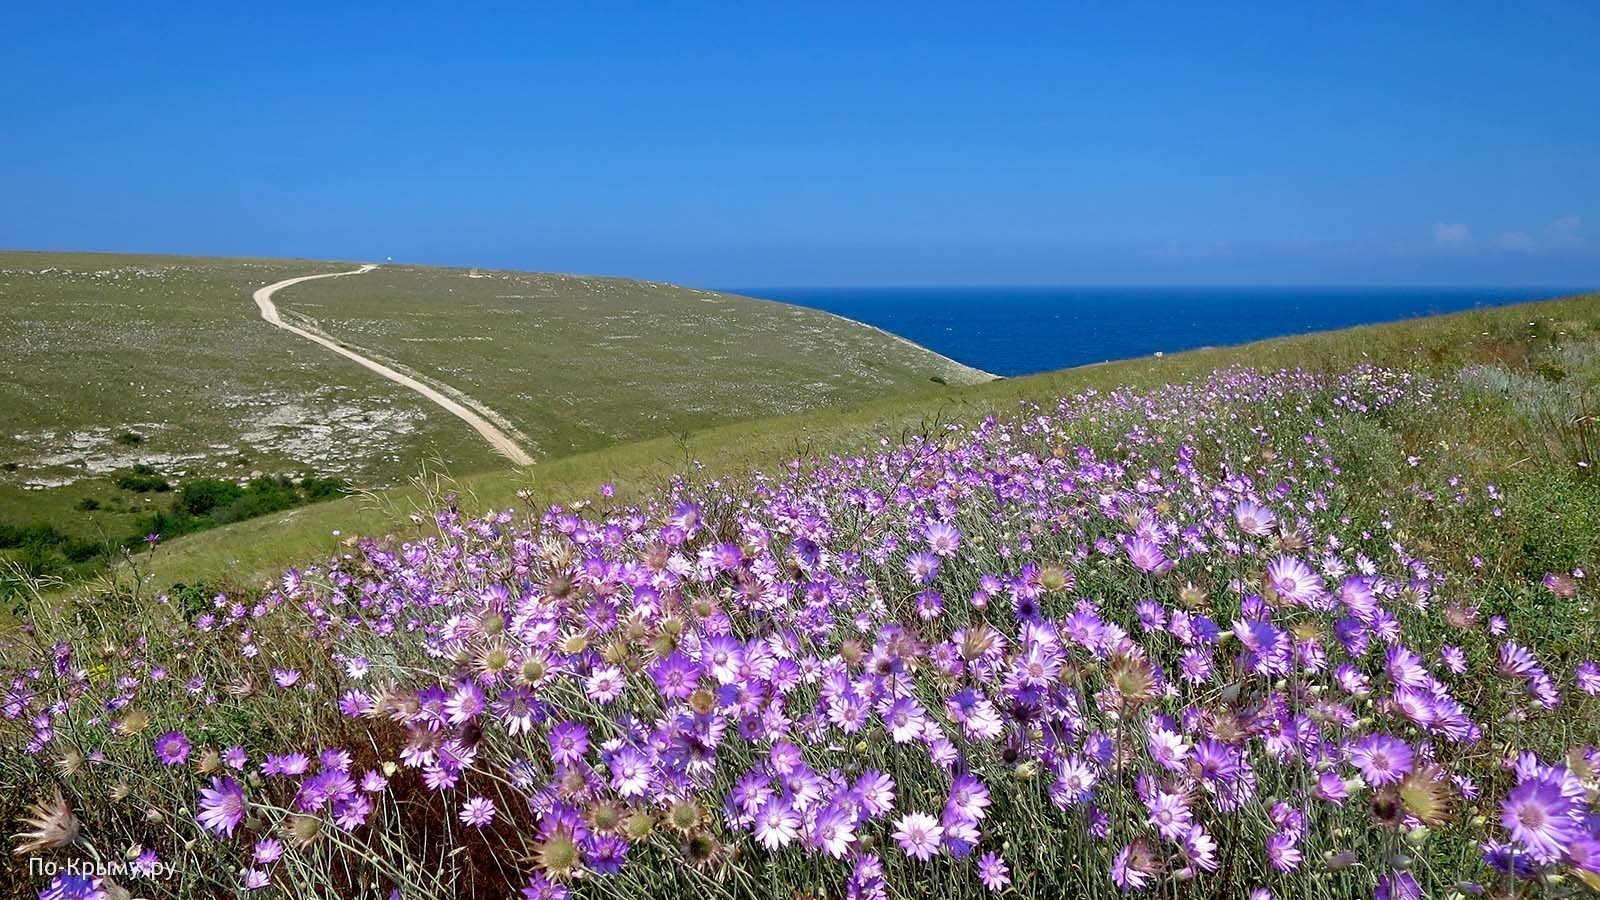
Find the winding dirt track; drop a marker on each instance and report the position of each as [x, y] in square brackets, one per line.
[497, 439]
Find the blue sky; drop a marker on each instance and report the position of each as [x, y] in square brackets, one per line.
[750, 144]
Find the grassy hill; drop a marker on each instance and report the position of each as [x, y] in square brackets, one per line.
[1521, 356]
[1312, 617]
[115, 362]
[577, 364]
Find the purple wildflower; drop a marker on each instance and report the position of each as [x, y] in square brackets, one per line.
[1383, 759]
[222, 806]
[478, 812]
[992, 872]
[569, 741]
[172, 748]
[918, 835]
[1543, 815]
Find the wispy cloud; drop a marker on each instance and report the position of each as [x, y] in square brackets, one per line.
[1516, 240]
[1451, 234]
[1565, 233]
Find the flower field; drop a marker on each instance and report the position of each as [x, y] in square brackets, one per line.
[1254, 634]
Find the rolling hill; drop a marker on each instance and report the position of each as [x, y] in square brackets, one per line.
[127, 376]
[1310, 599]
[1521, 359]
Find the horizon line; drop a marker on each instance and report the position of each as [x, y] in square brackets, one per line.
[910, 285]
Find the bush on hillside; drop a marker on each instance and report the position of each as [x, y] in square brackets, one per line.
[141, 479]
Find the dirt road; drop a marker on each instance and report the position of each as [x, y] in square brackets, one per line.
[499, 440]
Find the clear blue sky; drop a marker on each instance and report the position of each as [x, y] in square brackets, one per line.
[749, 144]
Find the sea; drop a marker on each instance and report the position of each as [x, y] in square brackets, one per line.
[1020, 330]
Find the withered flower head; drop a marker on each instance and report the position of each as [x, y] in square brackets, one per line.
[1461, 615]
[663, 646]
[533, 671]
[1386, 807]
[852, 652]
[1055, 578]
[557, 854]
[493, 658]
[638, 826]
[132, 722]
[491, 622]
[684, 816]
[1289, 541]
[703, 701]
[301, 830]
[1133, 678]
[1427, 794]
[558, 586]
[703, 851]
[977, 640]
[1193, 596]
[605, 816]
[51, 825]
[70, 762]
[241, 686]
[209, 762]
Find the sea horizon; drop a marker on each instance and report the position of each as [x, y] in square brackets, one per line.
[1013, 330]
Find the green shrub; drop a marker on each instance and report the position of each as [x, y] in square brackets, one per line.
[263, 495]
[141, 479]
[199, 496]
[37, 534]
[318, 489]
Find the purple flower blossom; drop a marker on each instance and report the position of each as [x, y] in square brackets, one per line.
[992, 872]
[478, 812]
[222, 806]
[943, 538]
[777, 824]
[918, 835]
[285, 764]
[1146, 555]
[267, 851]
[1294, 581]
[1398, 885]
[676, 677]
[1254, 519]
[922, 567]
[1544, 814]
[74, 886]
[465, 704]
[833, 831]
[788, 655]
[1383, 759]
[1588, 677]
[1134, 867]
[172, 748]
[569, 741]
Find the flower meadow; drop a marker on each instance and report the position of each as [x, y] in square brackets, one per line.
[1259, 634]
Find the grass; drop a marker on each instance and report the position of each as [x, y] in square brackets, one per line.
[114, 361]
[1446, 473]
[577, 363]
[1510, 338]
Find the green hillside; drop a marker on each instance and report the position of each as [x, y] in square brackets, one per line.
[1536, 367]
[1314, 599]
[128, 377]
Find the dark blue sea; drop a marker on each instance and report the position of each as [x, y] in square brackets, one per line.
[1020, 330]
